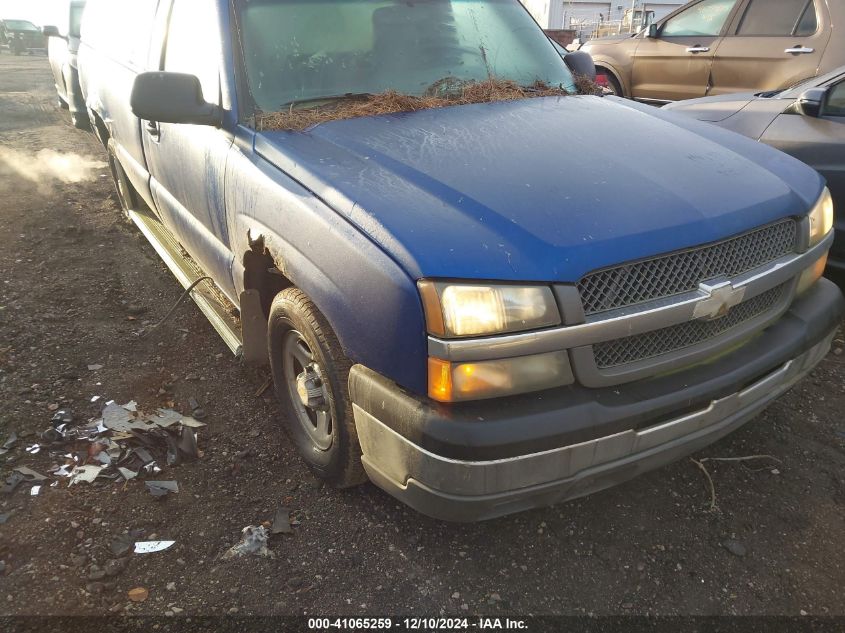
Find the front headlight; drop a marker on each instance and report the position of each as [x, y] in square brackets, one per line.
[821, 223]
[455, 310]
[821, 218]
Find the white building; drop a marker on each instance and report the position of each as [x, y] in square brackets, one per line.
[584, 16]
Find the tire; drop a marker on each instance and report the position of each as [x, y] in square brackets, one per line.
[329, 445]
[125, 193]
[612, 83]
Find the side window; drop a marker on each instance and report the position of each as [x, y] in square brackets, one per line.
[704, 18]
[193, 45]
[835, 105]
[778, 17]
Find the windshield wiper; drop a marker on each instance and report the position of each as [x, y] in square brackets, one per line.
[347, 95]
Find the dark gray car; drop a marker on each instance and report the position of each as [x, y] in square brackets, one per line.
[806, 121]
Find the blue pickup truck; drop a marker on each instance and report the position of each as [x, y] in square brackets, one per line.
[484, 307]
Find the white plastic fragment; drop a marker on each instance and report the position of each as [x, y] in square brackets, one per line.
[253, 542]
[84, 474]
[127, 474]
[35, 490]
[147, 547]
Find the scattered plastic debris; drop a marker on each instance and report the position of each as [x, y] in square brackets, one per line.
[138, 594]
[126, 473]
[281, 522]
[11, 483]
[29, 474]
[85, 474]
[34, 491]
[62, 417]
[95, 367]
[189, 421]
[148, 547]
[9, 443]
[123, 543]
[161, 488]
[196, 409]
[124, 443]
[253, 542]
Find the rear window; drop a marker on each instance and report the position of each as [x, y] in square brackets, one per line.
[120, 29]
[779, 18]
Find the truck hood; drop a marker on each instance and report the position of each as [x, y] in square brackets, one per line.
[540, 189]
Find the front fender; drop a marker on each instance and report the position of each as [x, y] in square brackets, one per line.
[370, 302]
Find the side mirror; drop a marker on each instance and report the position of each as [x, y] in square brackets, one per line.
[51, 31]
[581, 63]
[810, 102]
[653, 31]
[171, 98]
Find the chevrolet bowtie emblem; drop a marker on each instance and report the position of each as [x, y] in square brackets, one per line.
[721, 298]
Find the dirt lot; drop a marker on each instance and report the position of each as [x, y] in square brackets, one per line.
[78, 281]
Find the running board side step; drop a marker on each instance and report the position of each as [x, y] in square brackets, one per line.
[185, 271]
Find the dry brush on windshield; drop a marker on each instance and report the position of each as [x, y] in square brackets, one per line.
[444, 93]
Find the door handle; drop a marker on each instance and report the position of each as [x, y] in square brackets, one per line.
[153, 130]
[698, 49]
[799, 49]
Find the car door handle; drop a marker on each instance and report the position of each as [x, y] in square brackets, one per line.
[698, 49]
[799, 49]
[153, 130]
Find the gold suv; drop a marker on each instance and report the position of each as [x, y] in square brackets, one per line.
[711, 47]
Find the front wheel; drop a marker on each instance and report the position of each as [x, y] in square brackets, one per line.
[611, 83]
[310, 375]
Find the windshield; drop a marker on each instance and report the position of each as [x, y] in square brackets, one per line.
[300, 50]
[20, 25]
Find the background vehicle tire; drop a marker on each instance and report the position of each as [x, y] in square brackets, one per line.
[310, 374]
[612, 83]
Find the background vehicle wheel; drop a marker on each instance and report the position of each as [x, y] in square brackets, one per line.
[125, 193]
[612, 83]
[310, 374]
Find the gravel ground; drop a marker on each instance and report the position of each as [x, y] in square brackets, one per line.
[78, 281]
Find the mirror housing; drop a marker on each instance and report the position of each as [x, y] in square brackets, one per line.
[581, 63]
[165, 97]
[809, 103]
[51, 31]
[653, 31]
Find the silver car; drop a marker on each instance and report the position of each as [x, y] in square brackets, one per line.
[806, 121]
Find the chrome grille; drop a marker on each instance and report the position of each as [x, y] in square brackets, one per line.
[672, 274]
[677, 337]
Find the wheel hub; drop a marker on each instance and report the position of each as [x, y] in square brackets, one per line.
[309, 388]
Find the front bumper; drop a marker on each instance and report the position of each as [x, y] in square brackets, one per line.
[483, 460]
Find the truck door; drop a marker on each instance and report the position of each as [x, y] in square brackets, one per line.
[772, 44]
[187, 163]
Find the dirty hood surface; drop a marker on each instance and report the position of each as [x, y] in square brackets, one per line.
[539, 189]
